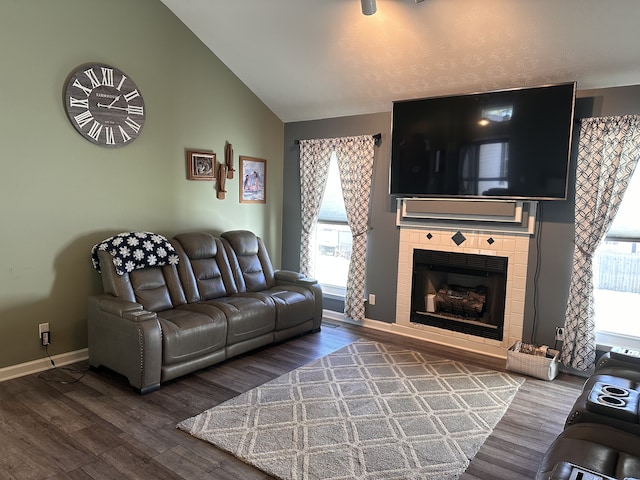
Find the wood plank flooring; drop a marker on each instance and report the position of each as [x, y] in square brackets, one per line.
[98, 428]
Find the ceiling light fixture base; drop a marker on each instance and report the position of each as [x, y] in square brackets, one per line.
[368, 7]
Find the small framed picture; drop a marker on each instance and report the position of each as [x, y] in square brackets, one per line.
[201, 165]
[253, 180]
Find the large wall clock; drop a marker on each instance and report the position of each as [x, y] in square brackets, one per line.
[104, 105]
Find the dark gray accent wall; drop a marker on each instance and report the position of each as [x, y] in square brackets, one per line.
[551, 255]
[551, 252]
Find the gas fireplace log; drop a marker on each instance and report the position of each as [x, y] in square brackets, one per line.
[461, 300]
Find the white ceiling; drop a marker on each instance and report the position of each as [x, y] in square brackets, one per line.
[311, 59]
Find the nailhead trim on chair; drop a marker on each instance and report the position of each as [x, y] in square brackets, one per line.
[142, 350]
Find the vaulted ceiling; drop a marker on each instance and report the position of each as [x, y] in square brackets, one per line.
[311, 59]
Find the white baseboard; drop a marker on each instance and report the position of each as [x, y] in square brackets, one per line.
[417, 334]
[37, 366]
[40, 365]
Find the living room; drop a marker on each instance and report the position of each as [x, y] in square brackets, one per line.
[73, 194]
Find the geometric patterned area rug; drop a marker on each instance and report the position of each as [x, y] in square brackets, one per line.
[366, 411]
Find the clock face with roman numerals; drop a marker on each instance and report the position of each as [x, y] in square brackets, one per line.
[104, 105]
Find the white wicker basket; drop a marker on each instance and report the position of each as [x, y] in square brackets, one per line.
[545, 368]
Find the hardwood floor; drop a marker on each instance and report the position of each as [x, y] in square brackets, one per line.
[98, 428]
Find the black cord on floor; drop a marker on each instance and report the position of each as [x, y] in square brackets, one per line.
[55, 369]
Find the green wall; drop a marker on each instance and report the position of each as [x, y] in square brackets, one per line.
[60, 194]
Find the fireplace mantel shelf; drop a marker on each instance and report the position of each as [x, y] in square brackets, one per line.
[507, 216]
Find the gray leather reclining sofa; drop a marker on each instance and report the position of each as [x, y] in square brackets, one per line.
[222, 298]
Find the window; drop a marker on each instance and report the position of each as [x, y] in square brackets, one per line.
[617, 275]
[332, 237]
[496, 114]
[485, 167]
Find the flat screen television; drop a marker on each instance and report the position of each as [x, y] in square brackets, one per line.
[509, 144]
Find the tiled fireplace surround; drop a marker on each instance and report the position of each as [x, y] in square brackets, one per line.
[514, 246]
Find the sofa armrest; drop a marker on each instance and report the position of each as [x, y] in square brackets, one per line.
[124, 309]
[612, 360]
[296, 278]
[140, 316]
[125, 338]
[116, 306]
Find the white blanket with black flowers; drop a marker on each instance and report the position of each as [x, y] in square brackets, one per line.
[133, 250]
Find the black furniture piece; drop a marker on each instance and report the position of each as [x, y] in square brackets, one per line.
[568, 471]
[601, 439]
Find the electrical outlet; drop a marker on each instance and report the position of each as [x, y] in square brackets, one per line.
[560, 334]
[372, 299]
[43, 334]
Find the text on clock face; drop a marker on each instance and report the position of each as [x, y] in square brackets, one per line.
[108, 105]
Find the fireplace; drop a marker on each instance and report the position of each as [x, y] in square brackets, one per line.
[496, 232]
[461, 292]
[467, 236]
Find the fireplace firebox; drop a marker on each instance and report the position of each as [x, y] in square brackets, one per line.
[462, 292]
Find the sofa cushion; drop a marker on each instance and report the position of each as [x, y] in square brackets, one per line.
[249, 261]
[204, 269]
[206, 274]
[151, 289]
[253, 272]
[293, 305]
[188, 333]
[155, 288]
[248, 315]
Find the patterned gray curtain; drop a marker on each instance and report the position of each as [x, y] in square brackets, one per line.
[608, 152]
[315, 156]
[355, 162]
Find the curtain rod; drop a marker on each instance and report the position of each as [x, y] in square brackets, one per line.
[377, 137]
